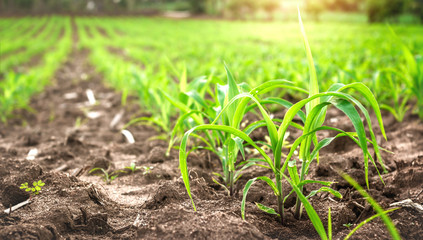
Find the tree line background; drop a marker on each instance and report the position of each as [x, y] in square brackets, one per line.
[376, 10]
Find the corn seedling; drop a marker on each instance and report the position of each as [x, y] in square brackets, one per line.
[398, 93]
[229, 110]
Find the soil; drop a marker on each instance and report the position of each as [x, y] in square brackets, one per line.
[73, 136]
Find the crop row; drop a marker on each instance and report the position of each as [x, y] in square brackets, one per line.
[162, 50]
[45, 44]
[156, 52]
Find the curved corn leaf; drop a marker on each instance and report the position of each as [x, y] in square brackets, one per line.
[279, 101]
[178, 126]
[314, 218]
[301, 138]
[368, 95]
[325, 189]
[289, 115]
[368, 220]
[385, 218]
[247, 187]
[266, 209]
[269, 123]
[313, 84]
[273, 84]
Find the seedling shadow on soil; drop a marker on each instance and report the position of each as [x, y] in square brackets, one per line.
[74, 204]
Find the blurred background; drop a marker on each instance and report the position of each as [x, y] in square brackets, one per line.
[147, 48]
[402, 11]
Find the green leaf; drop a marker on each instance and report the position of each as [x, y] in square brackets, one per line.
[313, 85]
[365, 91]
[223, 186]
[325, 189]
[197, 98]
[308, 181]
[244, 196]
[247, 187]
[368, 220]
[385, 218]
[314, 218]
[273, 84]
[232, 92]
[329, 225]
[266, 209]
[179, 125]
[239, 114]
[41, 183]
[368, 95]
[278, 101]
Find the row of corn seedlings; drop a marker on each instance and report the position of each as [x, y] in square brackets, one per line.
[258, 55]
[38, 45]
[16, 89]
[165, 47]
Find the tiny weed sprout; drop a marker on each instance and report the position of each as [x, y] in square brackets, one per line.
[35, 189]
[347, 225]
[147, 170]
[107, 177]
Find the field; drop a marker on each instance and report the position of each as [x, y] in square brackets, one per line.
[74, 89]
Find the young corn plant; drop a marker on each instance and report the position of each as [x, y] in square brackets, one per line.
[392, 82]
[315, 115]
[312, 122]
[228, 111]
[192, 104]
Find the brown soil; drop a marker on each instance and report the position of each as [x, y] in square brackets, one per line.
[124, 55]
[88, 31]
[40, 30]
[34, 61]
[72, 137]
[103, 32]
[11, 53]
